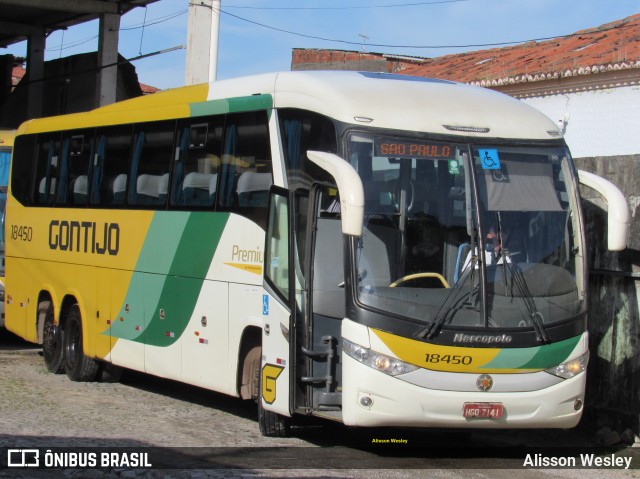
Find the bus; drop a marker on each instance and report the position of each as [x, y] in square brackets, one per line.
[369, 248]
[6, 147]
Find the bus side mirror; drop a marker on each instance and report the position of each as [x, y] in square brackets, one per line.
[350, 189]
[618, 218]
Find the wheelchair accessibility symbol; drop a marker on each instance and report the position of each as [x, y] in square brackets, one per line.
[489, 159]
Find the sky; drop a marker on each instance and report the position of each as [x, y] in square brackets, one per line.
[258, 36]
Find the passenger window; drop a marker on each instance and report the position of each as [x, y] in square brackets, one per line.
[111, 166]
[150, 164]
[245, 173]
[22, 169]
[303, 131]
[73, 175]
[47, 163]
[197, 162]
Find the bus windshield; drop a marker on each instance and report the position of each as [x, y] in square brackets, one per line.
[473, 236]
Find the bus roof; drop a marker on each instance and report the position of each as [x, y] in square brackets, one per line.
[372, 99]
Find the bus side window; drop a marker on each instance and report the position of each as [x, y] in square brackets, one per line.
[197, 162]
[22, 169]
[246, 174]
[110, 166]
[150, 162]
[73, 175]
[302, 131]
[47, 162]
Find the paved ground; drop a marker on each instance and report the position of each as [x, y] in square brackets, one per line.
[211, 435]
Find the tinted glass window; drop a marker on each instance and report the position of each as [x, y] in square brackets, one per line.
[150, 164]
[111, 166]
[24, 149]
[47, 163]
[73, 176]
[245, 171]
[197, 162]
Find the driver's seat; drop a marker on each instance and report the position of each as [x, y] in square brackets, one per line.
[463, 252]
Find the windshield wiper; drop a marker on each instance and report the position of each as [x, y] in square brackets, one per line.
[537, 320]
[458, 301]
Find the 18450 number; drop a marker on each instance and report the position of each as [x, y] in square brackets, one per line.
[21, 233]
[448, 358]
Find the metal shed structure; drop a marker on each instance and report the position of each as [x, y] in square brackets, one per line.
[35, 20]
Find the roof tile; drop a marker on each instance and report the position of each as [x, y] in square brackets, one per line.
[615, 45]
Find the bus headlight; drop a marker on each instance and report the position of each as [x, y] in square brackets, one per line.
[570, 368]
[377, 361]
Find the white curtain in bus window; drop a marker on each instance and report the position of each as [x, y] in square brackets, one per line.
[150, 164]
[518, 186]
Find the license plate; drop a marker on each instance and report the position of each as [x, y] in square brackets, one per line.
[482, 410]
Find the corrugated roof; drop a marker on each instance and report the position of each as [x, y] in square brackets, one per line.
[611, 46]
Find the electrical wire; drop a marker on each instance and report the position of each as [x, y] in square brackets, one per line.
[361, 7]
[385, 45]
[173, 15]
[102, 67]
[72, 44]
[142, 25]
[144, 22]
[156, 21]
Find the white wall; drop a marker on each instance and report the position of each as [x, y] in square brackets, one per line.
[599, 122]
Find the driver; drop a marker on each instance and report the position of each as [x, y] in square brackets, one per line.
[494, 245]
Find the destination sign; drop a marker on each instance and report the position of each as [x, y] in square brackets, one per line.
[413, 149]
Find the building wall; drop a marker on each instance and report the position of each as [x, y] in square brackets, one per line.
[599, 122]
[318, 59]
[603, 131]
[613, 387]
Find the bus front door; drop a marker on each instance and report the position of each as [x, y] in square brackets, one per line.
[276, 368]
[303, 305]
[325, 306]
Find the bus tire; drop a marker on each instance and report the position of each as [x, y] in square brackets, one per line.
[52, 338]
[110, 373]
[271, 424]
[78, 366]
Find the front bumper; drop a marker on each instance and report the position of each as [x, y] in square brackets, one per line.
[394, 402]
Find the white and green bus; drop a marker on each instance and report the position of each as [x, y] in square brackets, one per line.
[369, 248]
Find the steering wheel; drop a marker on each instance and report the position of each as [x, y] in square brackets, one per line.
[396, 195]
[420, 275]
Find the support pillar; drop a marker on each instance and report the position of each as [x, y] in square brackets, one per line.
[35, 72]
[202, 42]
[107, 76]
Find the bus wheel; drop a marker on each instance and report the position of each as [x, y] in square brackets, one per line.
[109, 373]
[271, 424]
[78, 366]
[51, 339]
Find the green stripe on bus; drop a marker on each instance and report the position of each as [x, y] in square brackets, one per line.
[182, 287]
[541, 357]
[511, 358]
[157, 255]
[153, 264]
[169, 276]
[231, 105]
[553, 354]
